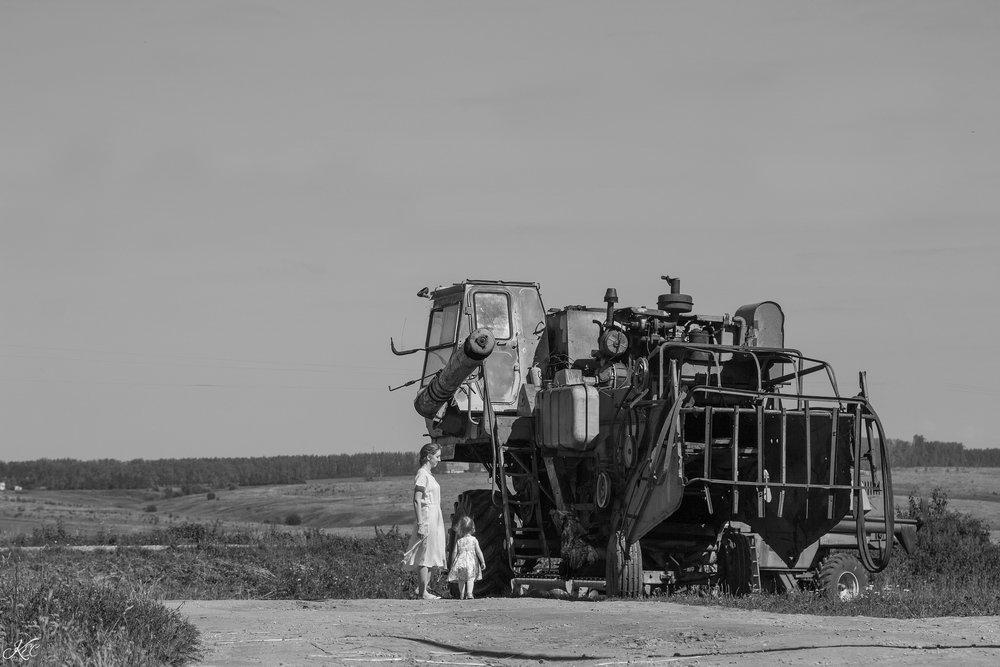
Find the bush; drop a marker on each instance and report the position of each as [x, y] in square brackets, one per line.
[952, 549]
[74, 620]
[293, 519]
[210, 495]
[149, 508]
[189, 531]
[306, 564]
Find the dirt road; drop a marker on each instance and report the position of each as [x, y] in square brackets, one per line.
[531, 631]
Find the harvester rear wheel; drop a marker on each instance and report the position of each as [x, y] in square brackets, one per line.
[842, 577]
[735, 564]
[491, 534]
[624, 569]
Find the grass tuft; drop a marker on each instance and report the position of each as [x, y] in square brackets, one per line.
[72, 621]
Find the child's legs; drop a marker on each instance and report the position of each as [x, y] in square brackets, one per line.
[470, 585]
[461, 590]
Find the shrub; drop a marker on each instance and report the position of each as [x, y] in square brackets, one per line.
[188, 531]
[50, 534]
[150, 508]
[293, 519]
[74, 620]
[210, 495]
[282, 565]
[952, 549]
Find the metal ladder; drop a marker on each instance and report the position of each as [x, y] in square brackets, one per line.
[524, 542]
[754, 564]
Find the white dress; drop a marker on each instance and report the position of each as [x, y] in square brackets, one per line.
[427, 551]
[466, 565]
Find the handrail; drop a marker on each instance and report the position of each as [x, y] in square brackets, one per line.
[713, 350]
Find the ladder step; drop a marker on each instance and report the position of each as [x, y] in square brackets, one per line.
[521, 546]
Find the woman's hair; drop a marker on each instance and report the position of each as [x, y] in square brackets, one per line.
[465, 526]
[427, 450]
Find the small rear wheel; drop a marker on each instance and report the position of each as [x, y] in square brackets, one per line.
[842, 577]
[624, 568]
[735, 564]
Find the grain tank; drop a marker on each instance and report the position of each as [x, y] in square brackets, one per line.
[640, 449]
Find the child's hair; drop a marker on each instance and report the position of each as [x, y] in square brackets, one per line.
[465, 526]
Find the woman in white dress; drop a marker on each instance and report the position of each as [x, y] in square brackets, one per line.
[426, 551]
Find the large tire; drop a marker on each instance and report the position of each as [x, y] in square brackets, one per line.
[842, 577]
[624, 569]
[735, 564]
[491, 534]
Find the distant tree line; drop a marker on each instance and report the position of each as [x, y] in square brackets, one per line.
[921, 452]
[201, 472]
[215, 473]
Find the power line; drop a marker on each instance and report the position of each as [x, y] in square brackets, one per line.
[197, 357]
[297, 367]
[200, 385]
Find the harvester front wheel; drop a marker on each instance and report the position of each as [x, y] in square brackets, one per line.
[842, 577]
[491, 534]
[624, 568]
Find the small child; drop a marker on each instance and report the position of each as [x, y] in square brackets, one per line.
[467, 562]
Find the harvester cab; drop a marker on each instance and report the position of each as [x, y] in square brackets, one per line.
[634, 449]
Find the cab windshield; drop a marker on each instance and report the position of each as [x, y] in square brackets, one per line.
[441, 331]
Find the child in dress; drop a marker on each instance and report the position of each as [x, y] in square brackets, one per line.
[467, 562]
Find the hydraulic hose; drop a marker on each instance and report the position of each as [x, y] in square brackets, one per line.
[867, 559]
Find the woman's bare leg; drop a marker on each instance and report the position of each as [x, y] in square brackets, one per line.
[470, 585]
[424, 577]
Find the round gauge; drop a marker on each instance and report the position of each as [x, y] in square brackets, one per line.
[613, 343]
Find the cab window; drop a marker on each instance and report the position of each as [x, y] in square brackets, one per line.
[441, 331]
[443, 325]
[493, 313]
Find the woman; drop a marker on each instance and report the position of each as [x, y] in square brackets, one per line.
[426, 550]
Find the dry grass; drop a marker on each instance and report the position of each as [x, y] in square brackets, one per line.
[351, 506]
[971, 491]
[73, 619]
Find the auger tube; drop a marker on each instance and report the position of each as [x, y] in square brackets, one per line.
[466, 359]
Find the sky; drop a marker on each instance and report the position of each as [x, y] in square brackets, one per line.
[214, 214]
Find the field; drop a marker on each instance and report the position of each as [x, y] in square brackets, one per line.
[354, 506]
[341, 539]
[972, 491]
[349, 506]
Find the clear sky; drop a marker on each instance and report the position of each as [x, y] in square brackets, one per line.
[214, 214]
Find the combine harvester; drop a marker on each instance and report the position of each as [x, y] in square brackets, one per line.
[639, 450]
